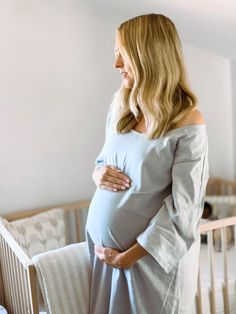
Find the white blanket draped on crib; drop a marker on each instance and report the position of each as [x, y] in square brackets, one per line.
[64, 277]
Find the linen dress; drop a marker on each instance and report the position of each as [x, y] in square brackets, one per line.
[161, 211]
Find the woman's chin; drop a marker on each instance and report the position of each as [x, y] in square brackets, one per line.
[127, 85]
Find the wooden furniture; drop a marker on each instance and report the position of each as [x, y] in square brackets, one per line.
[217, 186]
[18, 279]
[209, 227]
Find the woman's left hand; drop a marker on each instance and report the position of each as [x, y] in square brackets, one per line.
[118, 259]
[113, 257]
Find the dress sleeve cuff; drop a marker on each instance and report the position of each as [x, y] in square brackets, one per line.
[162, 240]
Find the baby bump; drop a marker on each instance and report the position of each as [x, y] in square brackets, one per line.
[115, 219]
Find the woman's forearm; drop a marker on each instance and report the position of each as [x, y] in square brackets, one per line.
[133, 254]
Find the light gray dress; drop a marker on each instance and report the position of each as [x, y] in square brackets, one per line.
[161, 210]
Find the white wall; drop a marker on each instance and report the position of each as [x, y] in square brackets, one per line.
[56, 84]
[210, 78]
[233, 85]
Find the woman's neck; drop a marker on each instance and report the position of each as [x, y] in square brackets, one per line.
[140, 126]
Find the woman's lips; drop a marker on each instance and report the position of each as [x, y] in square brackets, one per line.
[124, 74]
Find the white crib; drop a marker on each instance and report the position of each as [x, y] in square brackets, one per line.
[18, 279]
[217, 272]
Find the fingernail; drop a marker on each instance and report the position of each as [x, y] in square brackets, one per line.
[123, 187]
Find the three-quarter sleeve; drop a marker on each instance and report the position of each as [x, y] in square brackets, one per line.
[174, 228]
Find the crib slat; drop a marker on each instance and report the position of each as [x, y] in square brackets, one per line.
[225, 263]
[18, 291]
[2, 299]
[9, 292]
[6, 275]
[12, 282]
[211, 259]
[24, 288]
[19, 283]
[24, 303]
[33, 289]
[199, 292]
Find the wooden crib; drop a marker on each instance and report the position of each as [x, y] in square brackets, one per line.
[221, 224]
[227, 189]
[18, 289]
[18, 279]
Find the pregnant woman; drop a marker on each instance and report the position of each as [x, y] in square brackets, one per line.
[151, 175]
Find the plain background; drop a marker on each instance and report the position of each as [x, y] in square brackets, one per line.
[56, 84]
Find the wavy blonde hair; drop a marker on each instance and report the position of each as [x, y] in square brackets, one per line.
[161, 91]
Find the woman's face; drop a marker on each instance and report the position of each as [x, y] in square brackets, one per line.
[123, 65]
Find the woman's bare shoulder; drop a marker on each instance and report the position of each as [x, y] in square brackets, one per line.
[194, 117]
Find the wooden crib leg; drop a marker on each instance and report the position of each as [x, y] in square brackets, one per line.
[33, 289]
[226, 284]
[199, 293]
[211, 259]
[2, 299]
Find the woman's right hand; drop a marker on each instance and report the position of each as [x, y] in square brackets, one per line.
[110, 178]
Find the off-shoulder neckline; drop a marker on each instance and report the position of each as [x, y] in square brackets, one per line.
[176, 129]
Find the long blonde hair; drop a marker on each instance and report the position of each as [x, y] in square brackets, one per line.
[161, 91]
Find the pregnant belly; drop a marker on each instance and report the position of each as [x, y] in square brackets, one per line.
[115, 219]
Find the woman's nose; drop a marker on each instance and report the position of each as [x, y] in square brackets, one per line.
[118, 63]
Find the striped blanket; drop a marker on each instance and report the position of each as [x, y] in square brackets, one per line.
[64, 277]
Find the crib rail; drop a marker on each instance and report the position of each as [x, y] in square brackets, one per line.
[209, 228]
[18, 280]
[67, 207]
[18, 277]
